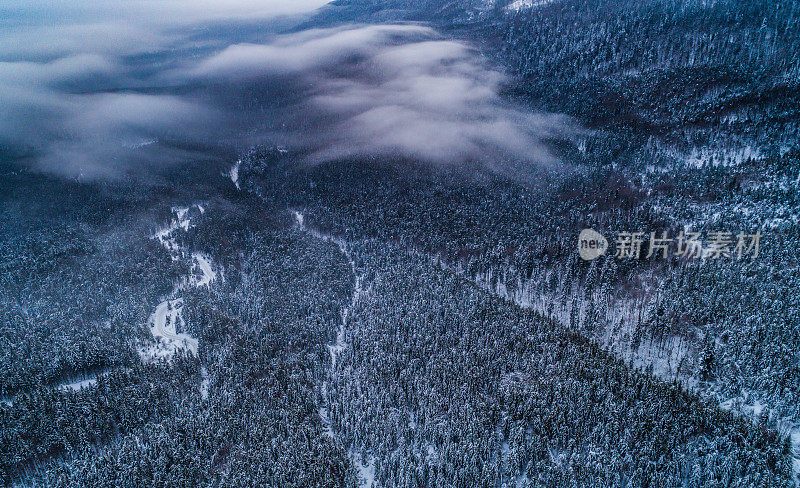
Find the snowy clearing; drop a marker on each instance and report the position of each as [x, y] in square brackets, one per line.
[207, 274]
[78, 385]
[519, 5]
[168, 316]
[366, 472]
[728, 157]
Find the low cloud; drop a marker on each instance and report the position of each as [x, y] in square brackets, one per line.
[37, 29]
[309, 52]
[81, 83]
[396, 91]
[108, 99]
[55, 111]
[109, 134]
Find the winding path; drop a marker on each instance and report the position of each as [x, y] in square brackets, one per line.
[366, 470]
[339, 345]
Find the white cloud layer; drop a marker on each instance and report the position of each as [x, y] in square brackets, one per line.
[78, 79]
[390, 91]
[122, 84]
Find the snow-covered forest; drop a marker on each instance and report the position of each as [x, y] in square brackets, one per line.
[345, 253]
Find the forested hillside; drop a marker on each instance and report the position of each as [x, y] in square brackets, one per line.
[691, 110]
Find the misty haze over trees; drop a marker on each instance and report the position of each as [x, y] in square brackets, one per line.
[296, 244]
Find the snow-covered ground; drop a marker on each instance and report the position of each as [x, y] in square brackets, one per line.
[366, 471]
[203, 265]
[323, 415]
[205, 383]
[518, 5]
[729, 157]
[234, 174]
[165, 235]
[790, 429]
[79, 385]
[794, 436]
[168, 316]
[337, 347]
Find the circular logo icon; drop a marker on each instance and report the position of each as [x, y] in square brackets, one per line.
[591, 244]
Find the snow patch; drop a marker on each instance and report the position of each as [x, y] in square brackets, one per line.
[205, 383]
[299, 218]
[78, 385]
[207, 274]
[366, 472]
[755, 409]
[87, 380]
[234, 174]
[519, 5]
[732, 157]
[745, 405]
[432, 452]
[326, 422]
[165, 235]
